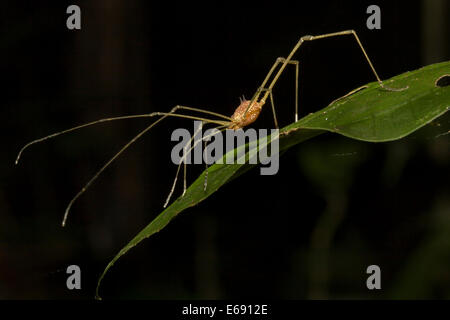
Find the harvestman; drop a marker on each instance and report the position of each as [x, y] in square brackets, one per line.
[246, 113]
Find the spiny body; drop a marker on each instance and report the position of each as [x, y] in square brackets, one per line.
[245, 114]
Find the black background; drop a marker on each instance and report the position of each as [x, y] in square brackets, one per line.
[253, 237]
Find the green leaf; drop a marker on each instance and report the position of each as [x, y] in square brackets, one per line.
[372, 114]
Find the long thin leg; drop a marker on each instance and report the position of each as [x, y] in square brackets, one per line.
[173, 186]
[183, 161]
[262, 87]
[163, 116]
[273, 110]
[328, 35]
[310, 38]
[186, 152]
[273, 107]
[205, 183]
[296, 91]
[129, 117]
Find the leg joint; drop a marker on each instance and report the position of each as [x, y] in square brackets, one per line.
[261, 89]
[281, 60]
[175, 108]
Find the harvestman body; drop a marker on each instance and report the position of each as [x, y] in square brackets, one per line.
[245, 114]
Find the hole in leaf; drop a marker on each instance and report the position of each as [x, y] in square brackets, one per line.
[443, 81]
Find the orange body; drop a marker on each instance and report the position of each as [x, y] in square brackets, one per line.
[242, 119]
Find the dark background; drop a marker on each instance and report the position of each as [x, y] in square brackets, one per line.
[335, 207]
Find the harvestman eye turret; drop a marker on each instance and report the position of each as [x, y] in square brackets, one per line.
[245, 114]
